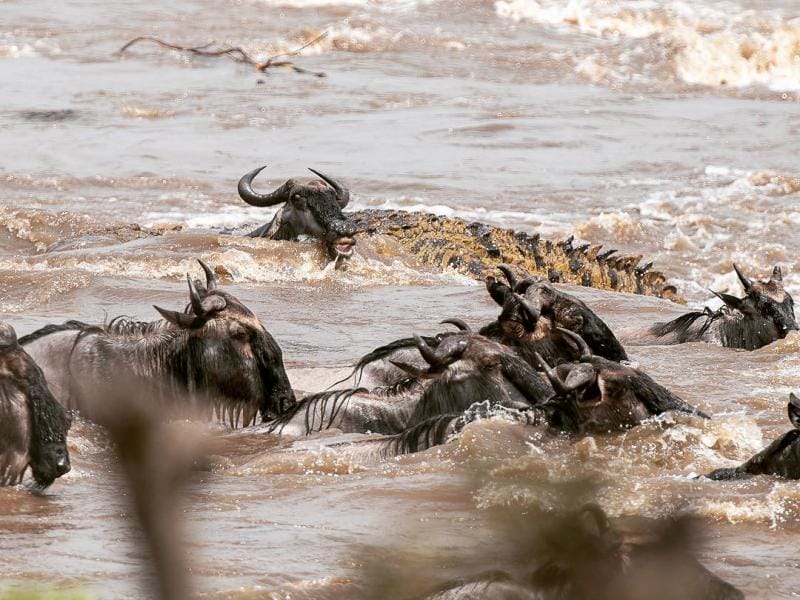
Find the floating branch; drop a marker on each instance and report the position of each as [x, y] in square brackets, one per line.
[236, 53]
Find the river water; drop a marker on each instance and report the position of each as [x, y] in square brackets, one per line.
[666, 129]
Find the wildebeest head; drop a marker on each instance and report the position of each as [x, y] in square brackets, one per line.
[230, 356]
[312, 209]
[466, 367]
[781, 457]
[599, 395]
[533, 310]
[766, 302]
[49, 423]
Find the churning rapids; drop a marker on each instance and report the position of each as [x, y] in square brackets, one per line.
[552, 116]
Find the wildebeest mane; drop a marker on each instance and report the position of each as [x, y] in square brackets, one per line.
[71, 325]
[315, 408]
[426, 434]
[398, 388]
[454, 395]
[125, 325]
[681, 327]
[382, 352]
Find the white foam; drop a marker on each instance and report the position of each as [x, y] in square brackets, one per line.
[716, 45]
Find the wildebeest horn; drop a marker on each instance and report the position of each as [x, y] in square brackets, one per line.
[579, 377]
[428, 353]
[746, 283]
[342, 193]
[460, 323]
[777, 275]
[204, 306]
[583, 347]
[253, 198]
[731, 301]
[509, 275]
[436, 358]
[552, 376]
[211, 279]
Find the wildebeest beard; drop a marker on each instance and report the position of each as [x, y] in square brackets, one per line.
[34, 424]
[50, 425]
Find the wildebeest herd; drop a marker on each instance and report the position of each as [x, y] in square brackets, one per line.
[546, 360]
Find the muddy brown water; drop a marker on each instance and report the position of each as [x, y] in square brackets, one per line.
[660, 128]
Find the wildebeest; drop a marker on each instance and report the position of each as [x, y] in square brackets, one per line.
[578, 555]
[781, 457]
[312, 209]
[596, 395]
[764, 315]
[33, 425]
[532, 312]
[216, 351]
[463, 369]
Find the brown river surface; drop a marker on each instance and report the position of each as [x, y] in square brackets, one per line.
[662, 128]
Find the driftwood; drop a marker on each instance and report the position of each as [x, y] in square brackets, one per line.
[236, 53]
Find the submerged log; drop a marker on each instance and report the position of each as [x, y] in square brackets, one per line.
[476, 249]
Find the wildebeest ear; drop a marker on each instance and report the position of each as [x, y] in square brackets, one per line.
[777, 275]
[794, 410]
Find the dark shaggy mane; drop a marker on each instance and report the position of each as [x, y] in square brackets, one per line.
[681, 326]
[48, 329]
[427, 434]
[314, 408]
[399, 388]
[124, 325]
[382, 352]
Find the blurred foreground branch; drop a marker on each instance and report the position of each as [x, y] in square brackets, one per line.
[156, 457]
[236, 53]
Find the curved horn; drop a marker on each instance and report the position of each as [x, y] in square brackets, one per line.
[194, 297]
[552, 376]
[203, 307]
[509, 275]
[731, 301]
[746, 283]
[777, 274]
[342, 193]
[253, 198]
[428, 353]
[583, 347]
[460, 323]
[211, 279]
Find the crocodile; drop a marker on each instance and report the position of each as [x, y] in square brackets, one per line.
[476, 249]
